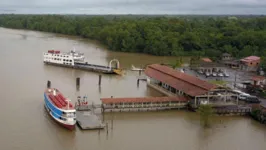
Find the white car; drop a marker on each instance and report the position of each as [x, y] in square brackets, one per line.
[220, 74]
[243, 96]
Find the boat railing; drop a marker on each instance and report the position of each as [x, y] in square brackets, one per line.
[67, 115]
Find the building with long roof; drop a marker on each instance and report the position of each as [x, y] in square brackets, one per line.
[173, 82]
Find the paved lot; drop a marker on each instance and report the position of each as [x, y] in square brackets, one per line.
[263, 102]
[239, 75]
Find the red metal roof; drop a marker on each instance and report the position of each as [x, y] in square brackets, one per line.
[258, 78]
[58, 100]
[206, 59]
[143, 99]
[188, 84]
[250, 59]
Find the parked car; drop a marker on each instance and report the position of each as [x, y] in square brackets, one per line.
[207, 74]
[220, 74]
[200, 71]
[214, 74]
[226, 74]
[243, 96]
[252, 99]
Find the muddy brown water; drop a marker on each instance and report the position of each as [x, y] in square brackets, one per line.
[25, 124]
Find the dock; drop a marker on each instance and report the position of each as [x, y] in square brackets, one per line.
[143, 103]
[97, 68]
[86, 120]
[232, 110]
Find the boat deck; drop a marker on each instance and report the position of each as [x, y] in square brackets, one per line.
[88, 121]
[94, 67]
[58, 100]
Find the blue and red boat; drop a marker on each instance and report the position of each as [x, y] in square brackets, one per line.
[60, 108]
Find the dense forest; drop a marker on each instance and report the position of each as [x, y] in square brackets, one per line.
[160, 35]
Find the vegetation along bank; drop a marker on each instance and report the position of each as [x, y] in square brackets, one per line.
[157, 35]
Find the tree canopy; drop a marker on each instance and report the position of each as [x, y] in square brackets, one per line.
[159, 35]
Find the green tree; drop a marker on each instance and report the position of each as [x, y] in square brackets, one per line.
[205, 111]
[169, 36]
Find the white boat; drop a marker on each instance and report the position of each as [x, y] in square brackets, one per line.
[76, 60]
[133, 68]
[60, 108]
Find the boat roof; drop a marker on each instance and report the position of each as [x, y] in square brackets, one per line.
[58, 99]
[65, 53]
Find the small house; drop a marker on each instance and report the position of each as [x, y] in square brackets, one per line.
[258, 80]
[206, 60]
[226, 57]
[250, 63]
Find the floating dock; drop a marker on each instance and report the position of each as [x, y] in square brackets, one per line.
[97, 68]
[91, 67]
[86, 120]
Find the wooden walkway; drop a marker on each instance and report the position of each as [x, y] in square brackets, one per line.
[232, 110]
[143, 103]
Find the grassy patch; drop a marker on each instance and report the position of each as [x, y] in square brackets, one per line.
[219, 82]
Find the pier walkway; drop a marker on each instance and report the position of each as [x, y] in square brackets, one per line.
[143, 103]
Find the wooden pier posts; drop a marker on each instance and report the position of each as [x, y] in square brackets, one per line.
[48, 84]
[77, 83]
[107, 128]
[139, 72]
[100, 80]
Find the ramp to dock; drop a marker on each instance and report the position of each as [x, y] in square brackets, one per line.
[86, 120]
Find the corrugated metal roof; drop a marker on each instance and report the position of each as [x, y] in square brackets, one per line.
[143, 99]
[206, 59]
[181, 81]
[258, 78]
[250, 59]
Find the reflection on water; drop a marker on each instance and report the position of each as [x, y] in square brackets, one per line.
[26, 125]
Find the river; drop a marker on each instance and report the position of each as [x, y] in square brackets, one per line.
[25, 124]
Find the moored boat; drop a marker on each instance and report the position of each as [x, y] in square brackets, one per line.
[133, 68]
[60, 108]
[76, 60]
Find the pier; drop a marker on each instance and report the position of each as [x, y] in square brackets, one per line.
[232, 110]
[87, 120]
[143, 103]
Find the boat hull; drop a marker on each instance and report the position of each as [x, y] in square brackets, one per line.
[83, 68]
[67, 126]
[56, 114]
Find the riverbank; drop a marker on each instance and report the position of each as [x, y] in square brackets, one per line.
[161, 36]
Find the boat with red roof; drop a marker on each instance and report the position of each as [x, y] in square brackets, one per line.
[60, 108]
